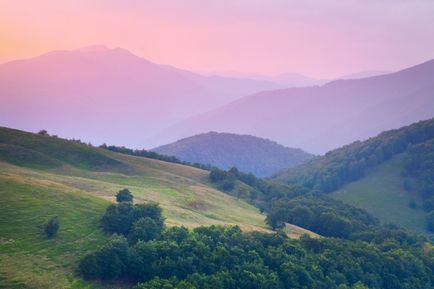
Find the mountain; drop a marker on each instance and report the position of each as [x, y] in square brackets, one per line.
[390, 175]
[365, 74]
[249, 154]
[286, 80]
[321, 118]
[42, 176]
[108, 95]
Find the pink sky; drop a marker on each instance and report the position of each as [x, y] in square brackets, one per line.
[322, 38]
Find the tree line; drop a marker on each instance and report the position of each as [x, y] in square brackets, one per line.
[349, 163]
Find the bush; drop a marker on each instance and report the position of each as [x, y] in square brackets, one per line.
[144, 229]
[108, 262]
[51, 227]
[124, 196]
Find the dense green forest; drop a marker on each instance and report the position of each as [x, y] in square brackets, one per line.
[419, 173]
[419, 168]
[349, 163]
[225, 257]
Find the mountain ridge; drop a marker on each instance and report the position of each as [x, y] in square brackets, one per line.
[99, 85]
[321, 118]
[248, 153]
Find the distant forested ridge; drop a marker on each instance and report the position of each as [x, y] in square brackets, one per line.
[349, 163]
[247, 153]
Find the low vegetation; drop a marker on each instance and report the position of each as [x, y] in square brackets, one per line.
[51, 227]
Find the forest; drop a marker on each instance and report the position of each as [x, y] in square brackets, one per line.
[145, 252]
[351, 162]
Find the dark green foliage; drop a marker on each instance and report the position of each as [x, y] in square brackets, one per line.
[419, 169]
[43, 132]
[217, 175]
[319, 214]
[119, 218]
[258, 191]
[108, 262]
[349, 163]
[144, 229]
[225, 257]
[124, 195]
[51, 227]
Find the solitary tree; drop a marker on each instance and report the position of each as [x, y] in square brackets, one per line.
[124, 196]
[43, 132]
[51, 227]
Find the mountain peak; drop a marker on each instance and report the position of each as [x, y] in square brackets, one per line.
[94, 48]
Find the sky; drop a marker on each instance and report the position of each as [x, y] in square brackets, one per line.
[322, 39]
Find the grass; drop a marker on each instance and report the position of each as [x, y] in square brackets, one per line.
[382, 194]
[27, 259]
[296, 232]
[42, 176]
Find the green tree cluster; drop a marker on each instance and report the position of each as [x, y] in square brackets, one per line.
[225, 257]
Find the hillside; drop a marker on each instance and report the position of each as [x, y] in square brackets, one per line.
[120, 98]
[42, 176]
[249, 154]
[383, 194]
[351, 162]
[321, 118]
[390, 175]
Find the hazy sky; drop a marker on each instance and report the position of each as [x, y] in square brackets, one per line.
[323, 38]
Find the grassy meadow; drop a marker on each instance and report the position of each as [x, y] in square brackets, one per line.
[382, 194]
[42, 176]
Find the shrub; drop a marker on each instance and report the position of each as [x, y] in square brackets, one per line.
[124, 196]
[51, 227]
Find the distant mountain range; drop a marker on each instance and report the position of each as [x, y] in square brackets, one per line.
[321, 118]
[249, 154]
[108, 95]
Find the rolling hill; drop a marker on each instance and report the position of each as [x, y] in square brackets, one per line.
[321, 118]
[42, 176]
[249, 154]
[383, 194]
[390, 175]
[108, 95]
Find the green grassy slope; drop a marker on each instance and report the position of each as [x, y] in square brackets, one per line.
[183, 191]
[382, 194]
[42, 176]
[27, 259]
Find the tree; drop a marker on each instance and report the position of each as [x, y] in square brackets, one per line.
[217, 175]
[119, 218]
[144, 229]
[43, 132]
[124, 196]
[51, 227]
[108, 262]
